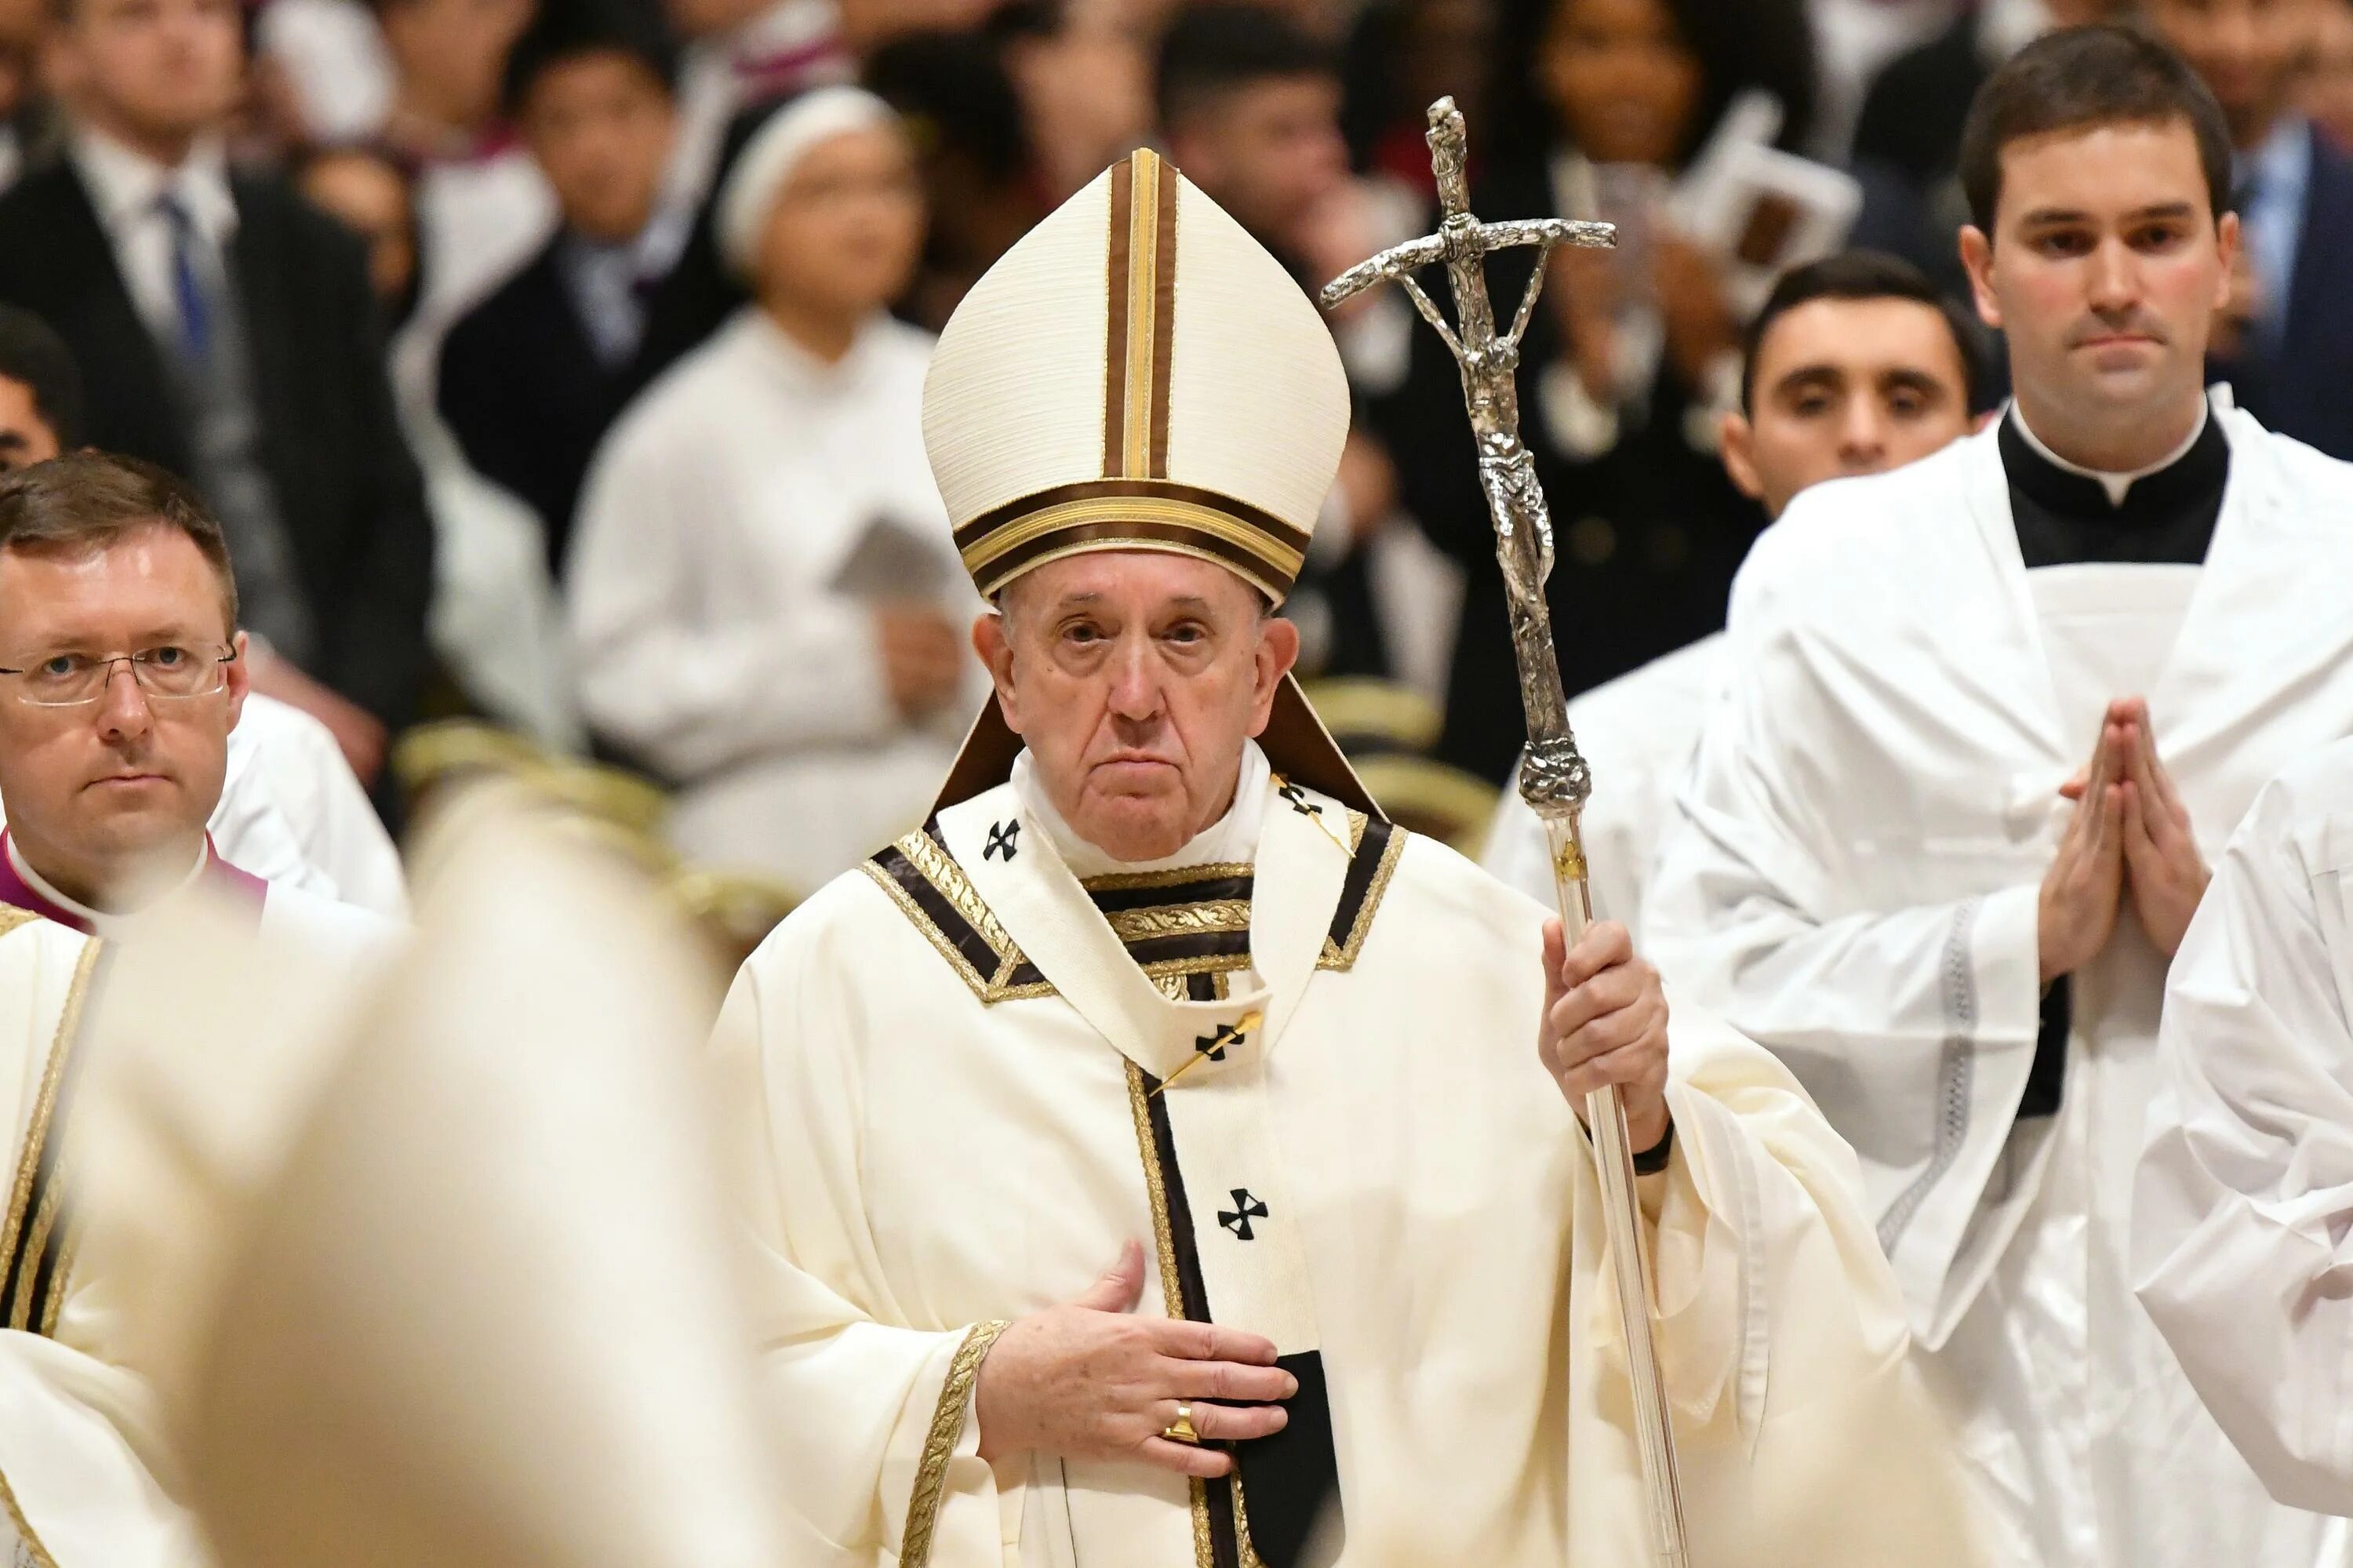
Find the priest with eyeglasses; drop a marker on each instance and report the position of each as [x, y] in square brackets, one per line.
[121, 677]
[1150, 1159]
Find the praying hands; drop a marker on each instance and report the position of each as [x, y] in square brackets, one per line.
[2128, 840]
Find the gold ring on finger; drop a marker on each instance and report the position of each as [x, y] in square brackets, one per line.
[1182, 1430]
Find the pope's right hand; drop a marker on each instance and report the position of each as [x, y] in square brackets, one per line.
[1090, 1380]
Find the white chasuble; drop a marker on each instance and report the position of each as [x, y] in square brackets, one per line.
[1851, 877]
[2244, 1200]
[80, 1448]
[1297, 1063]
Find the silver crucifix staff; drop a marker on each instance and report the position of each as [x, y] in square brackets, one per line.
[1553, 780]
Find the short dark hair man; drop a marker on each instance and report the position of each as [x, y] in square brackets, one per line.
[225, 329]
[290, 810]
[531, 377]
[1855, 364]
[121, 675]
[1931, 850]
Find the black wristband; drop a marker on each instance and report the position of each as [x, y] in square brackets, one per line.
[1653, 1159]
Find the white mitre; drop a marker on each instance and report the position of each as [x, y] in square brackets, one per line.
[1139, 374]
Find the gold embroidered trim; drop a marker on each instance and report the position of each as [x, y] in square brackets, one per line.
[939, 1441]
[1164, 1239]
[948, 880]
[1282, 561]
[11, 918]
[1248, 1552]
[20, 1312]
[1216, 916]
[940, 869]
[1172, 1294]
[32, 1542]
[1182, 876]
[1343, 958]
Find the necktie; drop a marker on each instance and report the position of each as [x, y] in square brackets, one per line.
[188, 293]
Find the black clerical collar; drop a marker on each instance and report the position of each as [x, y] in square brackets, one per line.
[2189, 480]
[2064, 518]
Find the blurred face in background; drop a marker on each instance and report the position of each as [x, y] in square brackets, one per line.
[1846, 386]
[1268, 152]
[154, 73]
[1621, 78]
[600, 126]
[843, 236]
[27, 437]
[370, 196]
[450, 54]
[2326, 94]
[2249, 51]
[1086, 92]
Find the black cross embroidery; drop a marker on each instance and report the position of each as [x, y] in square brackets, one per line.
[1299, 800]
[1237, 1219]
[1213, 1046]
[1001, 837]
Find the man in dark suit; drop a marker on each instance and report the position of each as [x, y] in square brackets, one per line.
[533, 375]
[2291, 317]
[226, 331]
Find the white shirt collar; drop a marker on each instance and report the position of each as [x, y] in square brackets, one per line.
[124, 183]
[1231, 839]
[2117, 485]
[105, 923]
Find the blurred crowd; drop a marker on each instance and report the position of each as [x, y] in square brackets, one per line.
[561, 362]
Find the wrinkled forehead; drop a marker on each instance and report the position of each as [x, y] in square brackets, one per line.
[1132, 583]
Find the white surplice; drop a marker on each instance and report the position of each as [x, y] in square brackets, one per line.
[939, 1070]
[1637, 734]
[1851, 878]
[292, 812]
[2244, 1199]
[712, 639]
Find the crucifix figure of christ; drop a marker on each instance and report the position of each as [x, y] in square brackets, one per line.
[1554, 779]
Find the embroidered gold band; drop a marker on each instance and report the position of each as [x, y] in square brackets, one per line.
[940, 1442]
[1130, 516]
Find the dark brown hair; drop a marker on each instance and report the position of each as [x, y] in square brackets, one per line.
[1862, 275]
[2079, 79]
[88, 500]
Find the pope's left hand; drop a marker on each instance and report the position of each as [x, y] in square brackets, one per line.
[1604, 1022]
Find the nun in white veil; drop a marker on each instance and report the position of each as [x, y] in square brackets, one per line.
[768, 607]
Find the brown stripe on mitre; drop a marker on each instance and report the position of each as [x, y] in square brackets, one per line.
[1163, 319]
[1109, 515]
[1174, 537]
[1115, 291]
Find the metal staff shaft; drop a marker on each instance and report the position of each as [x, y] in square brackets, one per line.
[1554, 779]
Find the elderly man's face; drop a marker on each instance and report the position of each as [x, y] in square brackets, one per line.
[1135, 677]
[94, 790]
